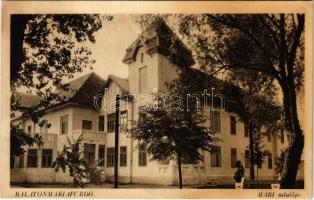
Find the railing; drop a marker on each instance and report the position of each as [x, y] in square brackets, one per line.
[88, 134]
[48, 137]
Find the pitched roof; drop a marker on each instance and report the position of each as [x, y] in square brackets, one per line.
[158, 37]
[26, 100]
[122, 83]
[81, 91]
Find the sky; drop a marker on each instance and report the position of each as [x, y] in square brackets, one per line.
[111, 42]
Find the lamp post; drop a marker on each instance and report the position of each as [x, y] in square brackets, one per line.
[116, 141]
[116, 136]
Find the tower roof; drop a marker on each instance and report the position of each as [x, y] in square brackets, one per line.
[158, 37]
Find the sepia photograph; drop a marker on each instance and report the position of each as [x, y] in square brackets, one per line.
[195, 101]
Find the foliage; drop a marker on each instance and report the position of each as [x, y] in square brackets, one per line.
[270, 44]
[279, 162]
[172, 130]
[46, 49]
[239, 173]
[19, 139]
[70, 158]
[258, 149]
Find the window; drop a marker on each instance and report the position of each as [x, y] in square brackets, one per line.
[215, 121]
[21, 162]
[46, 160]
[111, 122]
[86, 125]
[110, 157]
[247, 158]
[142, 57]
[123, 156]
[142, 155]
[215, 156]
[64, 124]
[32, 158]
[123, 121]
[101, 155]
[233, 125]
[233, 157]
[29, 129]
[101, 123]
[282, 136]
[268, 137]
[246, 130]
[89, 153]
[143, 80]
[270, 161]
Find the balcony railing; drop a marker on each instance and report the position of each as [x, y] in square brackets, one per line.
[88, 134]
[48, 137]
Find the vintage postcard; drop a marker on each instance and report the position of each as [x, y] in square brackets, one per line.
[194, 99]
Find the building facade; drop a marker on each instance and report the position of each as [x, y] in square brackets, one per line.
[149, 70]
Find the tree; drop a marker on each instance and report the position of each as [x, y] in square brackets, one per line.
[256, 108]
[272, 44]
[174, 130]
[70, 157]
[258, 152]
[19, 138]
[46, 49]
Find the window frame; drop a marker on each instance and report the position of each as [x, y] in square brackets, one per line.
[215, 117]
[44, 157]
[270, 160]
[110, 157]
[123, 156]
[102, 157]
[233, 125]
[246, 130]
[111, 118]
[141, 82]
[87, 123]
[247, 158]
[101, 123]
[64, 120]
[216, 150]
[233, 157]
[142, 156]
[29, 156]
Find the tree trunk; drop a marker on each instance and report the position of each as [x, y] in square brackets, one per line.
[180, 171]
[12, 161]
[292, 160]
[18, 26]
[252, 176]
[295, 148]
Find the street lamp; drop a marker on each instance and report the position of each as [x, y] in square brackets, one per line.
[116, 136]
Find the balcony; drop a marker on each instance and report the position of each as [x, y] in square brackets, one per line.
[89, 135]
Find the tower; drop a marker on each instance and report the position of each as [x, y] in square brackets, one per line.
[154, 58]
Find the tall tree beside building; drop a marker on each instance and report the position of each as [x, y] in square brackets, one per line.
[173, 128]
[272, 44]
[45, 51]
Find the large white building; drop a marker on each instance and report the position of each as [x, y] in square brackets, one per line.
[149, 69]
